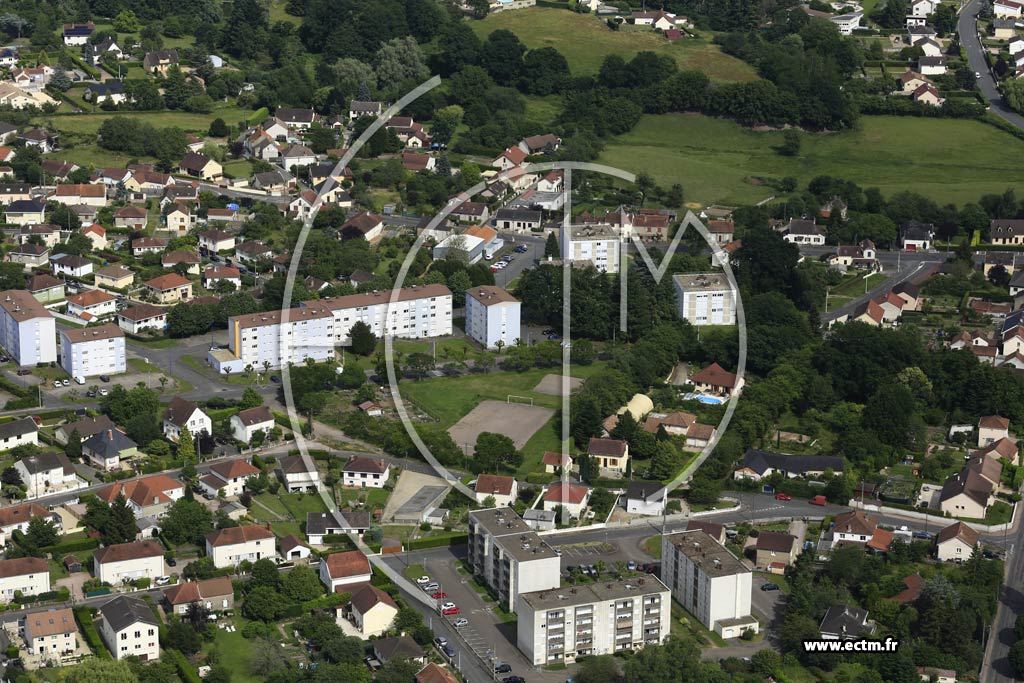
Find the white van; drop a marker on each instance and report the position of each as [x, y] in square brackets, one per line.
[79, 380]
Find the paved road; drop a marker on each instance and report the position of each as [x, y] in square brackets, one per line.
[996, 667]
[908, 272]
[967, 27]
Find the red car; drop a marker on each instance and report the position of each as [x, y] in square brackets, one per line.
[438, 595]
[451, 611]
[783, 496]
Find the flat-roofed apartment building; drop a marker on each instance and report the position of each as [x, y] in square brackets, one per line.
[262, 337]
[28, 331]
[708, 581]
[559, 625]
[705, 298]
[598, 244]
[418, 312]
[510, 556]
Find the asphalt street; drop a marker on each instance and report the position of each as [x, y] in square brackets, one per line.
[967, 27]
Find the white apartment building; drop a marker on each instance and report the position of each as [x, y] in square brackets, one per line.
[261, 338]
[598, 244]
[509, 555]
[28, 331]
[228, 547]
[130, 629]
[418, 312]
[51, 633]
[492, 315]
[708, 581]
[25, 575]
[121, 562]
[557, 626]
[93, 351]
[705, 298]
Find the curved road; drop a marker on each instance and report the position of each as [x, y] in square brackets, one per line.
[967, 27]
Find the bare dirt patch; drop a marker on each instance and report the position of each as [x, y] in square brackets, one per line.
[552, 385]
[517, 421]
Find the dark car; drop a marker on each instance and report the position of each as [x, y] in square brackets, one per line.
[522, 249]
[449, 651]
[171, 562]
[24, 371]
[104, 378]
[922, 535]
[91, 393]
[769, 586]
[502, 668]
[554, 336]
[275, 379]
[513, 679]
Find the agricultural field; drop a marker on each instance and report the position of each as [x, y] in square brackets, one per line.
[720, 161]
[187, 121]
[591, 41]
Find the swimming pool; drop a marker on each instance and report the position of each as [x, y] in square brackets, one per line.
[710, 400]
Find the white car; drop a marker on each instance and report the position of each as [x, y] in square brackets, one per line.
[431, 587]
[163, 580]
[65, 382]
[56, 384]
[460, 622]
[448, 605]
[104, 392]
[422, 580]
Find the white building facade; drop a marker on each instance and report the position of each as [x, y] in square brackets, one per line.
[705, 298]
[93, 351]
[418, 312]
[598, 244]
[260, 338]
[28, 332]
[492, 316]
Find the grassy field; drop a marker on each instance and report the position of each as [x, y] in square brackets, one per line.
[715, 159]
[448, 399]
[196, 123]
[591, 41]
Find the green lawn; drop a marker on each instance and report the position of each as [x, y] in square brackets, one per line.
[139, 365]
[282, 529]
[449, 398]
[298, 504]
[591, 41]
[196, 123]
[273, 502]
[714, 159]
[854, 287]
[545, 439]
[235, 652]
[652, 546]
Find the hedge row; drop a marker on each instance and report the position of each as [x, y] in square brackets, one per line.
[72, 546]
[83, 615]
[62, 595]
[15, 388]
[185, 670]
[437, 542]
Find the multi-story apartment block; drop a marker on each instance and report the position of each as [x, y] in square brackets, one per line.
[708, 581]
[230, 546]
[418, 311]
[492, 316]
[261, 338]
[557, 626]
[705, 298]
[509, 555]
[93, 351]
[598, 244]
[129, 629]
[25, 575]
[28, 331]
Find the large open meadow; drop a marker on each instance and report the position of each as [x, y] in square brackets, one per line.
[586, 40]
[715, 160]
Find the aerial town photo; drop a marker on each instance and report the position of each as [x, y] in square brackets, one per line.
[554, 341]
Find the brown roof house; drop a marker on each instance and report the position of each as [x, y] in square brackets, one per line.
[955, 543]
[991, 428]
[170, 288]
[200, 166]
[371, 611]
[715, 379]
[343, 572]
[214, 594]
[966, 494]
[610, 454]
[504, 490]
[775, 551]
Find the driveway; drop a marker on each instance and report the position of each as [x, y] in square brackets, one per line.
[967, 27]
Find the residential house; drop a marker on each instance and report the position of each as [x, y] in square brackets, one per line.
[46, 473]
[274, 182]
[228, 547]
[992, 428]
[216, 274]
[300, 119]
[572, 498]
[299, 474]
[357, 108]
[47, 232]
[398, 648]
[147, 497]
[910, 294]
[869, 313]
[990, 469]
[758, 464]
[294, 549]
[519, 221]
[556, 461]
[170, 288]
[180, 415]
[252, 251]
[371, 611]
[106, 449]
[800, 231]
[501, 489]
[138, 319]
[25, 212]
[843, 622]
[363, 225]
[200, 166]
[69, 264]
[965, 494]
[956, 543]
[932, 66]
[510, 158]
[19, 432]
[609, 454]
[929, 46]
[51, 634]
[112, 91]
[38, 137]
[92, 304]
[216, 595]
[321, 524]
[722, 231]
[1006, 231]
[179, 219]
[160, 61]
[124, 562]
[110, 45]
[29, 255]
[229, 477]
[148, 245]
[1007, 9]
[416, 163]
[340, 571]
[714, 379]
[295, 155]
[645, 498]
[130, 629]
[774, 551]
[928, 94]
[188, 260]
[847, 23]
[78, 34]
[97, 234]
[364, 472]
[24, 576]
[85, 427]
[245, 423]
[45, 288]
[215, 241]
[540, 144]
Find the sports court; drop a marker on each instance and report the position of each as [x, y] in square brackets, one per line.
[518, 421]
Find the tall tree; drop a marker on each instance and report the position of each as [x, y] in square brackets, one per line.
[121, 527]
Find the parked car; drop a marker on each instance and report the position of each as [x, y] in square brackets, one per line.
[56, 384]
[783, 496]
[65, 383]
[769, 586]
[922, 535]
[275, 379]
[447, 605]
[104, 392]
[631, 565]
[440, 641]
[437, 595]
[513, 679]
[104, 378]
[460, 622]
[432, 586]
[449, 651]
[818, 500]
[451, 611]
[163, 580]
[502, 668]
[522, 249]
[423, 579]
[91, 393]
[171, 562]
[24, 371]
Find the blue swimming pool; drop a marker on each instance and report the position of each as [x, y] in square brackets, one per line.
[710, 400]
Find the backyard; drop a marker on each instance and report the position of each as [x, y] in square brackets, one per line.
[592, 41]
[720, 161]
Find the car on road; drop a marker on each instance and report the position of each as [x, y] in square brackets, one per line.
[423, 579]
[924, 535]
[977, 74]
[440, 641]
[783, 496]
[818, 500]
[513, 679]
[275, 379]
[769, 586]
[558, 551]
[448, 651]
[438, 595]
[631, 565]
[432, 586]
[502, 668]
[460, 622]
[554, 335]
[522, 249]
[24, 371]
[450, 611]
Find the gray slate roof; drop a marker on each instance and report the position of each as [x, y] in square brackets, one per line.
[122, 612]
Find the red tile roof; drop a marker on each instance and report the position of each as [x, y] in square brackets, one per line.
[238, 534]
[347, 564]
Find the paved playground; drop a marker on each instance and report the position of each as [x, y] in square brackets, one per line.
[518, 421]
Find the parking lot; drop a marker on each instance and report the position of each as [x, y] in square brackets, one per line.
[767, 605]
